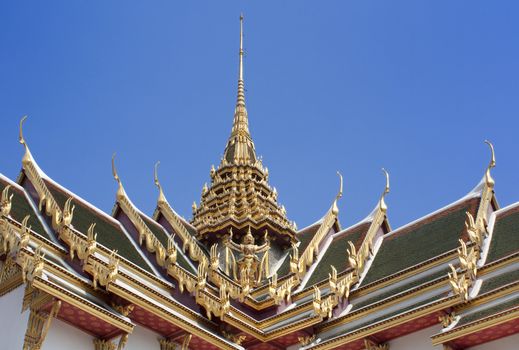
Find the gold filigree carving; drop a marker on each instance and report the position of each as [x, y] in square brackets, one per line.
[164, 256]
[468, 257]
[10, 276]
[459, 283]
[104, 274]
[283, 291]
[34, 298]
[353, 258]
[11, 242]
[214, 257]
[476, 231]
[124, 310]
[190, 244]
[214, 306]
[235, 338]
[184, 279]
[372, 345]
[323, 307]
[186, 341]
[468, 260]
[166, 344]
[306, 340]
[103, 344]
[6, 201]
[78, 245]
[38, 326]
[32, 267]
[447, 318]
[251, 269]
[201, 277]
[31, 171]
[341, 288]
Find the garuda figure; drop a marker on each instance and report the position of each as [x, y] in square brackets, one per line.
[250, 268]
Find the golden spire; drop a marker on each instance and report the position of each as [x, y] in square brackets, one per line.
[240, 148]
[239, 195]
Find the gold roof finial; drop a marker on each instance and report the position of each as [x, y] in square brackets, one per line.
[335, 208]
[382, 203]
[488, 178]
[120, 189]
[162, 198]
[22, 140]
[339, 195]
[114, 170]
[27, 157]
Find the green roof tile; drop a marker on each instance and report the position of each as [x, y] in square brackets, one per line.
[505, 238]
[495, 309]
[402, 288]
[421, 241]
[499, 281]
[21, 208]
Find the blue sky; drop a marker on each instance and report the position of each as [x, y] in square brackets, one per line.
[414, 86]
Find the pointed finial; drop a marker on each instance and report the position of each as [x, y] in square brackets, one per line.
[120, 190]
[335, 208]
[155, 175]
[21, 139]
[488, 178]
[241, 88]
[382, 203]
[240, 77]
[27, 157]
[339, 195]
[114, 170]
[162, 198]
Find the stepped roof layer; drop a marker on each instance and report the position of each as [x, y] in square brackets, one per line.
[240, 275]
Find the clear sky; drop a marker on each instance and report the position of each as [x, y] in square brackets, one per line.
[414, 86]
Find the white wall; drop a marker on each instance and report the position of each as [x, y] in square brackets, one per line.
[61, 335]
[64, 336]
[12, 322]
[420, 340]
[507, 343]
[142, 339]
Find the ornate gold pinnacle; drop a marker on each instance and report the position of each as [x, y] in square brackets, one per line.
[239, 195]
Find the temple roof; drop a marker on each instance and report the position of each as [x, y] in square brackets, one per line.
[320, 287]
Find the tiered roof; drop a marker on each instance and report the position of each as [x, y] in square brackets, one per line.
[324, 287]
[239, 195]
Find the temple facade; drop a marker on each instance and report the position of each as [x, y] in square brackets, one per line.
[239, 274]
